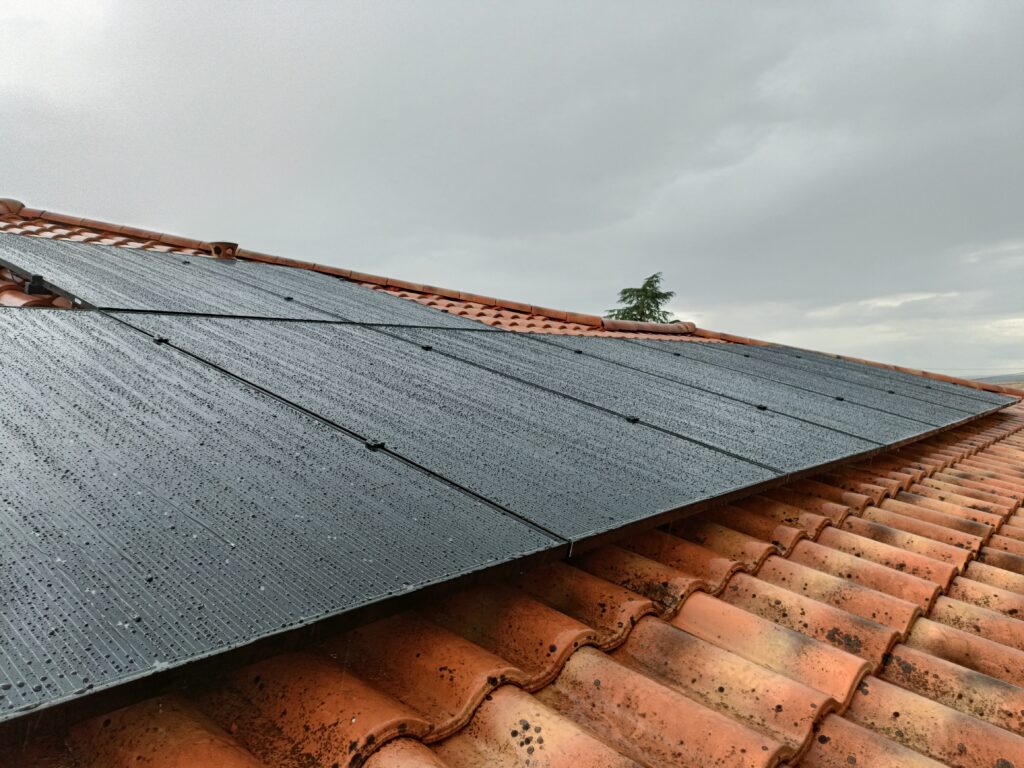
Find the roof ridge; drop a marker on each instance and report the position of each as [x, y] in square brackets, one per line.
[11, 206]
[679, 327]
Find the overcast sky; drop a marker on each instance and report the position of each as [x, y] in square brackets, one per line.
[847, 176]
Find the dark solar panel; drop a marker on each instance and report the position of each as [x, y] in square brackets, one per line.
[766, 437]
[938, 409]
[576, 470]
[157, 511]
[337, 297]
[106, 276]
[121, 278]
[864, 421]
[905, 383]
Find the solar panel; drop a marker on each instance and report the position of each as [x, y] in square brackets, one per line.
[576, 470]
[340, 298]
[766, 437]
[905, 383]
[942, 408]
[156, 511]
[822, 409]
[112, 277]
[106, 276]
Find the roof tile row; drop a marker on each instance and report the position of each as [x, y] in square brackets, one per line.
[868, 617]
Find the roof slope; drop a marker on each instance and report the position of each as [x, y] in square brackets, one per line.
[210, 453]
[868, 617]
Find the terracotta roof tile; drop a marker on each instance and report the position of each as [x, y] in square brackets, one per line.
[665, 586]
[957, 687]
[979, 621]
[840, 743]
[845, 594]
[317, 708]
[929, 727]
[1006, 560]
[512, 727]
[649, 721]
[968, 650]
[991, 596]
[799, 657]
[867, 639]
[861, 570]
[21, 299]
[404, 753]
[726, 682]
[437, 673]
[608, 609]
[168, 731]
[516, 626]
[711, 569]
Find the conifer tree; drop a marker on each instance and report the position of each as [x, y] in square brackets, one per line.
[645, 303]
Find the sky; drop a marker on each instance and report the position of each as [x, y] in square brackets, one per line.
[844, 176]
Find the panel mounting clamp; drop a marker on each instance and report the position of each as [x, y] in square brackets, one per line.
[35, 286]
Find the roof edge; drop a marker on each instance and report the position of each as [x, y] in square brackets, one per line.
[982, 385]
[10, 206]
[596, 321]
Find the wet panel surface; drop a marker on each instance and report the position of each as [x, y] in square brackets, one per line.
[913, 387]
[156, 510]
[935, 411]
[576, 470]
[120, 278]
[107, 276]
[766, 437]
[820, 409]
[340, 298]
[908, 380]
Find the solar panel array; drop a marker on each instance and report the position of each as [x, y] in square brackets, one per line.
[225, 451]
[113, 278]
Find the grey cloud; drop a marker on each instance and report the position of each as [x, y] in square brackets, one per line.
[773, 160]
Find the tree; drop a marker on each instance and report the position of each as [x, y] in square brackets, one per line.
[645, 303]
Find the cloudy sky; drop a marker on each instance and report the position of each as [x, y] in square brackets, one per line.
[847, 176]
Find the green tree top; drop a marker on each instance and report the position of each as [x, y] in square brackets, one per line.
[644, 304]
